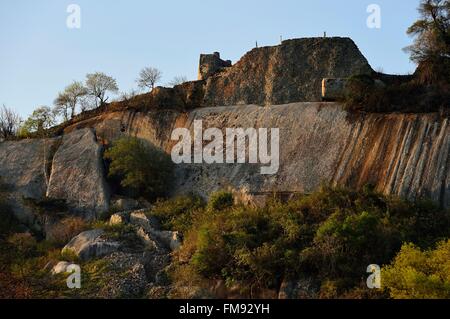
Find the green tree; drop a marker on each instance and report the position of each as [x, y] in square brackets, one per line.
[40, 120]
[417, 274]
[143, 169]
[431, 48]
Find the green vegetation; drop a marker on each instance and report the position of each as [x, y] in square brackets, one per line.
[419, 274]
[428, 90]
[331, 235]
[178, 213]
[142, 170]
[381, 93]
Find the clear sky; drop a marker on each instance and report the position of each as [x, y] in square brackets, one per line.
[40, 55]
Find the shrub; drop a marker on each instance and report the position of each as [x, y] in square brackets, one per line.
[24, 243]
[177, 213]
[383, 93]
[419, 274]
[331, 235]
[220, 200]
[64, 230]
[141, 169]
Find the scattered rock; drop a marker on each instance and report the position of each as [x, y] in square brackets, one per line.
[89, 244]
[171, 239]
[60, 267]
[146, 239]
[119, 218]
[126, 277]
[125, 204]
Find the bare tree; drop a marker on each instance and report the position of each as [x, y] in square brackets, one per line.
[74, 93]
[178, 80]
[87, 102]
[148, 77]
[98, 84]
[69, 99]
[62, 106]
[9, 122]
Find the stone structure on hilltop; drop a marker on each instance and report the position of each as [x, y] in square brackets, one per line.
[211, 64]
[287, 73]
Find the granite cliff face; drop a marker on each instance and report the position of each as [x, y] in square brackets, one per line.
[403, 154]
[68, 168]
[77, 174]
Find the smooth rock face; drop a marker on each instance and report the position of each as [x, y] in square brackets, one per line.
[25, 168]
[403, 154]
[78, 175]
[89, 244]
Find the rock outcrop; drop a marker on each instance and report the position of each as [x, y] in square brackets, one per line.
[290, 72]
[403, 154]
[78, 175]
[286, 73]
[24, 171]
[90, 244]
[148, 229]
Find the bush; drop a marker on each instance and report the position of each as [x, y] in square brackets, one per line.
[177, 213]
[220, 200]
[331, 235]
[24, 243]
[142, 170]
[416, 274]
[64, 230]
[383, 93]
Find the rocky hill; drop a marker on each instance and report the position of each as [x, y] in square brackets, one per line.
[404, 154]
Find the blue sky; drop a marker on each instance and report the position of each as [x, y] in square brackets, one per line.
[39, 55]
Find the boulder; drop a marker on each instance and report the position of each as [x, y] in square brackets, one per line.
[119, 218]
[124, 204]
[78, 174]
[171, 239]
[60, 267]
[90, 244]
